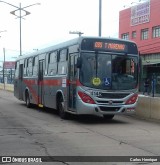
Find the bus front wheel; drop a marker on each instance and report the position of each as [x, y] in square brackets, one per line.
[61, 109]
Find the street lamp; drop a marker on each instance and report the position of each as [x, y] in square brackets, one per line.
[20, 16]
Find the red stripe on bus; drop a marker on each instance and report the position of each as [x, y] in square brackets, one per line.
[78, 83]
[75, 82]
[55, 82]
[29, 84]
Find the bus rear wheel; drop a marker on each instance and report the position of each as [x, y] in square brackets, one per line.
[61, 109]
[108, 117]
[28, 103]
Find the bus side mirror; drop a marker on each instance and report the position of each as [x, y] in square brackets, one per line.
[79, 62]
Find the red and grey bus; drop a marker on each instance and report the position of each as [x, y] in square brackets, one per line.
[86, 75]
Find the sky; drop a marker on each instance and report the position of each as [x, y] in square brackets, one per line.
[50, 23]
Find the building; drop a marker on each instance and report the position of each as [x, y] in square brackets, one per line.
[8, 74]
[141, 23]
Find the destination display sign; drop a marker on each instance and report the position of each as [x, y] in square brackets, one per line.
[110, 46]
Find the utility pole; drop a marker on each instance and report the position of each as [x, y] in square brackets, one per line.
[76, 32]
[100, 17]
[4, 67]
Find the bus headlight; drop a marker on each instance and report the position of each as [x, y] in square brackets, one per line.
[132, 99]
[85, 98]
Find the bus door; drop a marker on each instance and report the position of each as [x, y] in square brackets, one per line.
[40, 83]
[72, 81]
[18, 92]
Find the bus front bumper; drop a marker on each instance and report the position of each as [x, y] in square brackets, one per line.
[100, 110]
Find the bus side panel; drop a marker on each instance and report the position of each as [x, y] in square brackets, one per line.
[50, 92]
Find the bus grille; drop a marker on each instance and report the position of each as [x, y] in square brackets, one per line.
[108, 102]
[113, 95]
[113, 109]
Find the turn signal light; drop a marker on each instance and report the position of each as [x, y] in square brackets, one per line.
[132, 99]
[85, 98]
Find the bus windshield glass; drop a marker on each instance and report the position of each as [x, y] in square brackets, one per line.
[109, 71]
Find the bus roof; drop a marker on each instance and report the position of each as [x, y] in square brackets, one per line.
[69, 43]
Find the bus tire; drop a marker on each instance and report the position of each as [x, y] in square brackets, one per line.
[61, 109]
[28, 103]
[108, 117]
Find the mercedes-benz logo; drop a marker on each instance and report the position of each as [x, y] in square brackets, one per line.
[110, 102]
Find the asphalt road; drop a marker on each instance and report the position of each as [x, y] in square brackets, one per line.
[39, 132]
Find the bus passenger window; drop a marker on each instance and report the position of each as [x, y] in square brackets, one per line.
[35, 66]
[30, 67]
[62, 64]
[52, 64]
[17, 69]
[46, 64]
[25, 67]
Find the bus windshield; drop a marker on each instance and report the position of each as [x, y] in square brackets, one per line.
[109, 71]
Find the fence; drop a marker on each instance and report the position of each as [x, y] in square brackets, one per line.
[8, 87]
[148, 107]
